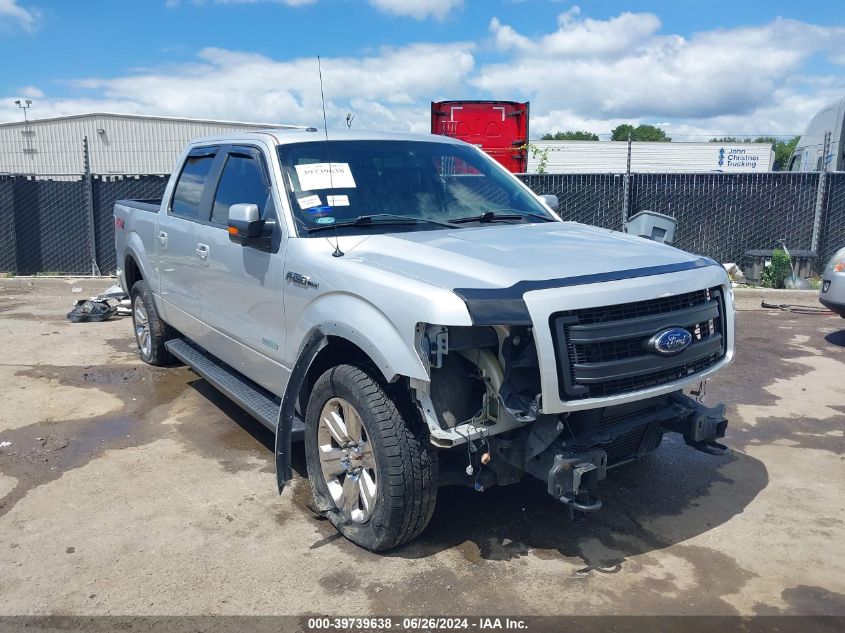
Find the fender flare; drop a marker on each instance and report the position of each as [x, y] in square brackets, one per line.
[314, 343]
[134, 248]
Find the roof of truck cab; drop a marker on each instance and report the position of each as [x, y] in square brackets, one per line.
[286, 136]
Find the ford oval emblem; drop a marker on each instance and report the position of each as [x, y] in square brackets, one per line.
[669, 342]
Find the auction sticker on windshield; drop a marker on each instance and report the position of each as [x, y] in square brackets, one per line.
[325, 176]
[310, 201]
[338, 201]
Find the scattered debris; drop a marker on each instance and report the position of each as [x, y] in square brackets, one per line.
[506, 542]
[796, 283]
[796, 308]
[5, 444]
[102, 307]
[86, 310]
[735, 273]
[76, 290]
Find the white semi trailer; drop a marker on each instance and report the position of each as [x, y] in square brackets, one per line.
[594, 157]
[821, 147]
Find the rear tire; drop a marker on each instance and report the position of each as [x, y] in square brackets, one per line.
[151, 333]
[373, 474]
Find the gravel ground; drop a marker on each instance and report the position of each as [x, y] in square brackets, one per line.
[128, 489]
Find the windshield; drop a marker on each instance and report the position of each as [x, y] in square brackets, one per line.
[399, 186]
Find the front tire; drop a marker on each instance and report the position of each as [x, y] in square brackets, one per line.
[373, 474]
[151, 333]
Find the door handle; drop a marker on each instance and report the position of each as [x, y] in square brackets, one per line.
[202, 251]
[162, 239]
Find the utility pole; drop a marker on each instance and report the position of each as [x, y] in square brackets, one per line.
[626, 187]
[826, 150]
[89, 200]
[819, 207]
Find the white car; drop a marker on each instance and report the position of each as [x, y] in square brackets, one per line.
[832, 291]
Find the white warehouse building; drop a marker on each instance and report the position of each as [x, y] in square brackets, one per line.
[118, 143]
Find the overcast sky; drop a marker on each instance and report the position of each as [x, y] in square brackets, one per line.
[696, 68]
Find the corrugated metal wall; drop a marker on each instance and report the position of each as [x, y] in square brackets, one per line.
[579, 157]
[119, 144]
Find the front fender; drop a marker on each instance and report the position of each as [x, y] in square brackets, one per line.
[349, 317]
[360, 322]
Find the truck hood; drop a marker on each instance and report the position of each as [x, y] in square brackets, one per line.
[501, 255]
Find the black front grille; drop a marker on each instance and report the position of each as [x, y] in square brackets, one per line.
[605, 351]
[624, 311]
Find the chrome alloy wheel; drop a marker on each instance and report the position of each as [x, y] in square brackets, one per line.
[347, 460]
[142, 327]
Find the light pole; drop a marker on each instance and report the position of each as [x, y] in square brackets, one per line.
[25, 105]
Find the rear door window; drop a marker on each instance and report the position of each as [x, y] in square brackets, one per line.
[242, 182]
[189, 187]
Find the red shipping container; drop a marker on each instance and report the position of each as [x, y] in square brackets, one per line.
[500, 128]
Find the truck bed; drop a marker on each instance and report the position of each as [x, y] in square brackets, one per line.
[142, 204]
[135, 226]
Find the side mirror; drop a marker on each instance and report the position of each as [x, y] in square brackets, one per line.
[552, 201]
[247, 228]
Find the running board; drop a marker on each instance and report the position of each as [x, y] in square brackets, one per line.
[254, 399]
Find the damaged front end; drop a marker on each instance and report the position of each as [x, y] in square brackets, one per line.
[484, 403]
[573, 453]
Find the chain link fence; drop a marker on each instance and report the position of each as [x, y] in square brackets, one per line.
[46, 225]
[8, 241]
[107, 191]
[725, 215]
[595, 199]
[719, 215]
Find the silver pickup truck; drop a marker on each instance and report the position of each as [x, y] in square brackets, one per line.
[418, 317]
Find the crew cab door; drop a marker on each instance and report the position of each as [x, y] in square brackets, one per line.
[242, 303]
[176, 242]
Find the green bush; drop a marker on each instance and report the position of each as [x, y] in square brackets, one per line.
[775, 274]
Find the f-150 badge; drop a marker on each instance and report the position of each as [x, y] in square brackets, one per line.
[303, 281]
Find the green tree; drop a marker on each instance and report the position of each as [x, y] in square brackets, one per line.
[640, 133]
[783, 149]
[570, 135]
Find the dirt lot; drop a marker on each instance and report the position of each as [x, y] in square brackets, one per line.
[133, 490]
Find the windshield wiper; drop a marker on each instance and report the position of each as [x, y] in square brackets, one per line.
[378, 219]
[492, 216]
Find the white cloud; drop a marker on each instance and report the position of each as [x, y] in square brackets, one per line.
[623, 68]
[387, 89]
[580, 38]
[418, 9]
[27, 19]
[30, 92]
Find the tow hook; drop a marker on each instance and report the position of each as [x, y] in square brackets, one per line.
[573, 478]
[581, 504]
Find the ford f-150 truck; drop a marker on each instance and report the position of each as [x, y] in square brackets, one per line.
[419, 317]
